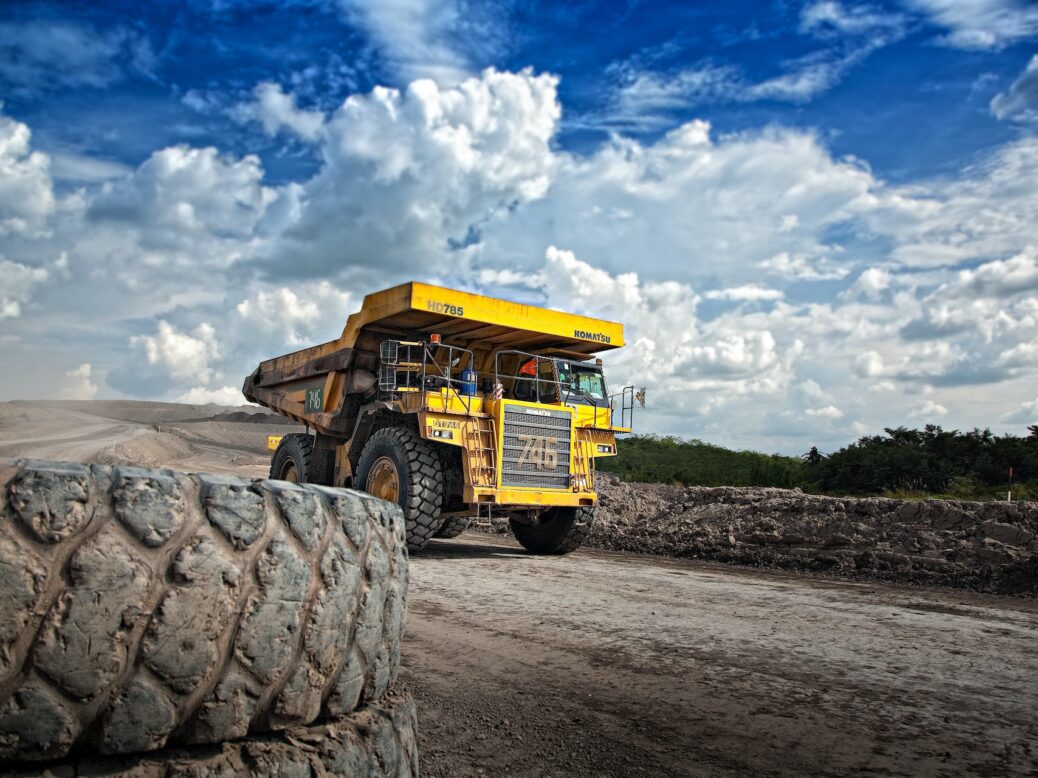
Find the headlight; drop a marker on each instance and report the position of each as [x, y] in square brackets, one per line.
[604, 449]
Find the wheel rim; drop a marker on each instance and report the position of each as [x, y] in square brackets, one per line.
[289, 473]
[383, 480]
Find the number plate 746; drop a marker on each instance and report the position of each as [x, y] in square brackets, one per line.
[539, 451]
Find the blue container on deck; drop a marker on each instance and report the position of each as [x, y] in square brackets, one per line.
[468, 382]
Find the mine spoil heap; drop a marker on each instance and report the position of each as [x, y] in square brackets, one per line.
[985, 546]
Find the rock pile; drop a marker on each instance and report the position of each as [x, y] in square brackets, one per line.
[986, 546]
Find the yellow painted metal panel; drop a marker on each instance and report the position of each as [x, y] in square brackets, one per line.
[442, 428]
[476, 307]
[533, 497]
[273, 441]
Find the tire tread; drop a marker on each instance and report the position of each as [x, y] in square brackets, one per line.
[222, 615]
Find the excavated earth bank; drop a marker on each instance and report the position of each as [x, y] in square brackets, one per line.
[985, 546]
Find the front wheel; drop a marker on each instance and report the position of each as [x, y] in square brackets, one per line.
[559, 530]
[399, 466]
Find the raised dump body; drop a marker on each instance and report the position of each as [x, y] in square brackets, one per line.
[452, 403]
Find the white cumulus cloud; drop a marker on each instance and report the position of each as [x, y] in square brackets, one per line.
[1026, 414]
[825, 412]
[224, 395]
[747, 293]
[929, 410]
[1020, 101]
[18, 282]
[981, 24]
[26, 189]
[276, 110]
[408, 172]
[183, 356]
[77, 384]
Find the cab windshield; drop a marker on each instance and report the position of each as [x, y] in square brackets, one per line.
[584, 381]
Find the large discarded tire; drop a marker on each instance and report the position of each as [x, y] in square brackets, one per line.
[414, 479]
[559, 531]
[453, 526]
[379, 739]
[144, 607]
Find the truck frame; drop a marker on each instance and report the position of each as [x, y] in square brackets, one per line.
[455, 405]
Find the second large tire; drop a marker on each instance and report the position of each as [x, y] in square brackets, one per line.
[145, 608]
[418, 472]
[559, 531]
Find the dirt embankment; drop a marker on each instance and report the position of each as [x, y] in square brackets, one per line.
[985, 546]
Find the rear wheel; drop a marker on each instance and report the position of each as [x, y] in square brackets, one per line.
[453, 526]
[397, 465]
[291, 461]
[559, 531]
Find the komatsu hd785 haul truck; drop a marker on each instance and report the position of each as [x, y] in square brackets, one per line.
[455, 405]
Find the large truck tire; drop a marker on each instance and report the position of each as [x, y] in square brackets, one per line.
[143, 608]
[453, 526]
[396, 464]
[291, 460]
[559, 531]
[379, 739]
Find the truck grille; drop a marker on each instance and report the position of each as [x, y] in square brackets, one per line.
[544, 435]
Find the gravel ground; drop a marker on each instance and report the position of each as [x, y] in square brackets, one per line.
[612, 664]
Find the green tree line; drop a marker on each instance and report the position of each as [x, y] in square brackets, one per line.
[932, 461]
[654, 459]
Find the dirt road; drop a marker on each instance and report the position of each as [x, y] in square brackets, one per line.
[608, 664]
[613, 665]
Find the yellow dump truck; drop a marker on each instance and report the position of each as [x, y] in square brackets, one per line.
[455, 405]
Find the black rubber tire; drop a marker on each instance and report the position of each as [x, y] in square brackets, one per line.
[421, 479]
[560, 530]
[379, 739]
[453, 526]
[145, 607]
[296, 449]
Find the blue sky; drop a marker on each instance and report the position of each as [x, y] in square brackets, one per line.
[817, 218]
[889, 92]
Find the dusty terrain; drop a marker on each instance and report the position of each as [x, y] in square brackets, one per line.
[184, 437]
[602, 663]
[610, 664]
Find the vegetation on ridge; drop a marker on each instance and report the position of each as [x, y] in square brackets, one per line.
[902, 462]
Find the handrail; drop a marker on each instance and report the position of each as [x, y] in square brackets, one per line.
[391, 364]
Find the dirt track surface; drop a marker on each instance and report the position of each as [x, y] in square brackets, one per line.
[618, 664]
[611, 664]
